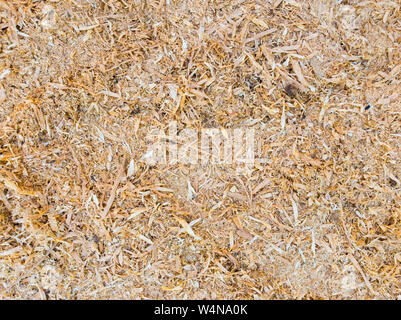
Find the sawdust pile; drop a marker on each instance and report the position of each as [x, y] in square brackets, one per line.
[83, 83]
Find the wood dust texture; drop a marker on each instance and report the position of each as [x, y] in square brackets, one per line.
[83, 83]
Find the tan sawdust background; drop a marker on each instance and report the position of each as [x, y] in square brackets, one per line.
[82, 83]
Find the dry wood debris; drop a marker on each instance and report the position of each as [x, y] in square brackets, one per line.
[82, 84]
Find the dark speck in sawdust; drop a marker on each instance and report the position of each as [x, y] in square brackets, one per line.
[290, 90]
